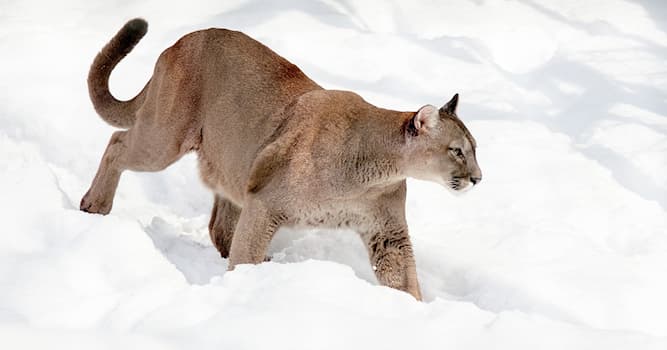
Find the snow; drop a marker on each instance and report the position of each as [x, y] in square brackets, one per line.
[563, 245]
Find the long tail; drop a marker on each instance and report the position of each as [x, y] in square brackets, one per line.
[117, 113]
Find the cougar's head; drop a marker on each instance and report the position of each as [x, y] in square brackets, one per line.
[441, 149]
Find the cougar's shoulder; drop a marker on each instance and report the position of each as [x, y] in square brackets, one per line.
[318, 139]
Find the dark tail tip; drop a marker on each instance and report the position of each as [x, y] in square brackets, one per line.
[137, 27]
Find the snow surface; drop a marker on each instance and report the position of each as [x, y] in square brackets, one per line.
[562, 246]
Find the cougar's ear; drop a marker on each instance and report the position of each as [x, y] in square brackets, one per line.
[450, 107]
[424, 119]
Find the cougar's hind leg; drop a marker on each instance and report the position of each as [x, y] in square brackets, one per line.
[99, 197]
[224, 217]
[165, 128]
[146, 147]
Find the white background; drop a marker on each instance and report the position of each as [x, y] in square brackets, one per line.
[562, 245]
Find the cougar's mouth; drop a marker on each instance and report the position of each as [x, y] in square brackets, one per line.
[459, 184]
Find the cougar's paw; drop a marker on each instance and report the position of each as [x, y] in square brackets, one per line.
[89, 204]
[416, 292]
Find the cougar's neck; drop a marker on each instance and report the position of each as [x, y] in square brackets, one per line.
[381, 159]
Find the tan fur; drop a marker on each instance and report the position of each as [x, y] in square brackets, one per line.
[276, 148]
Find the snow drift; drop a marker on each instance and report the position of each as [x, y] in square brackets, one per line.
[564, 244]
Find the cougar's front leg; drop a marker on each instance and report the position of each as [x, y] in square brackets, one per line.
[224, 217]
[254, 231]
[390, 252]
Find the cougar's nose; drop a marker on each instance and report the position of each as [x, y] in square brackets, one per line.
[475, 180]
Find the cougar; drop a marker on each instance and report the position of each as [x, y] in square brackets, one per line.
[276, 148]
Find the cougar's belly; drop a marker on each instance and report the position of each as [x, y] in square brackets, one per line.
[220, 178]
[226, 155]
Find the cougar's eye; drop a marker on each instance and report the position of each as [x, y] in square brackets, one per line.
[457, 151]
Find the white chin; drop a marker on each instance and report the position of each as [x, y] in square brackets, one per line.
[461, 190]
[467, 187]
